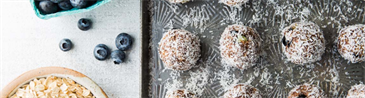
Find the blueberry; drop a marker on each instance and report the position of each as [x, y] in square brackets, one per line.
[234, 31]
[124, 41]
[65, 5]
[291, 28]
[101, 52]
[302, 96]
[356, 55]
[286, 42]
[82, 3]
[118, 56]
[65, 45]
[84, 24]
[47, 7]
[57, 1]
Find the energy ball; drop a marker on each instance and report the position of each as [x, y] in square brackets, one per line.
[179, 49]
[356, 91]
[180, 94]
[234, 2]
[178, 1]
[243, 91]
[351, 43]
[303, 42]
[240, 46]
[306, 91]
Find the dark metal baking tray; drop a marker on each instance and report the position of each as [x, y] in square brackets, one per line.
[274, 76]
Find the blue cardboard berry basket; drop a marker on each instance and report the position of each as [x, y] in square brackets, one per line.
[68, 12]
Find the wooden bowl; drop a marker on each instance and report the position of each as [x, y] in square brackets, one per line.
[62, 72]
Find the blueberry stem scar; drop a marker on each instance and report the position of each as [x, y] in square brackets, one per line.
[64, 45]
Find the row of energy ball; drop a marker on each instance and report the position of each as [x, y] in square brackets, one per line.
[302, 42]
[247, 91]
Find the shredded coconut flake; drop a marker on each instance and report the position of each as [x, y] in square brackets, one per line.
[310, 91]
[235, 3]
[356, 91]
[179, 49]
[303, 42]
[240, 46]
[181, 93]
[178, 1]
[243, 91]
[351, 43]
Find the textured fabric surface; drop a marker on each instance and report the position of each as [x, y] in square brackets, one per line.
[28, 42]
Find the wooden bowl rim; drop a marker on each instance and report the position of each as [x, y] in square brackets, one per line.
[47, 71]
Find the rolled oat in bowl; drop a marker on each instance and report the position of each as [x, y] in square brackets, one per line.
[52, 86]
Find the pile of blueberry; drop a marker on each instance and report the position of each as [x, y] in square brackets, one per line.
[123, 43]
[52, 6]
[102, 52]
